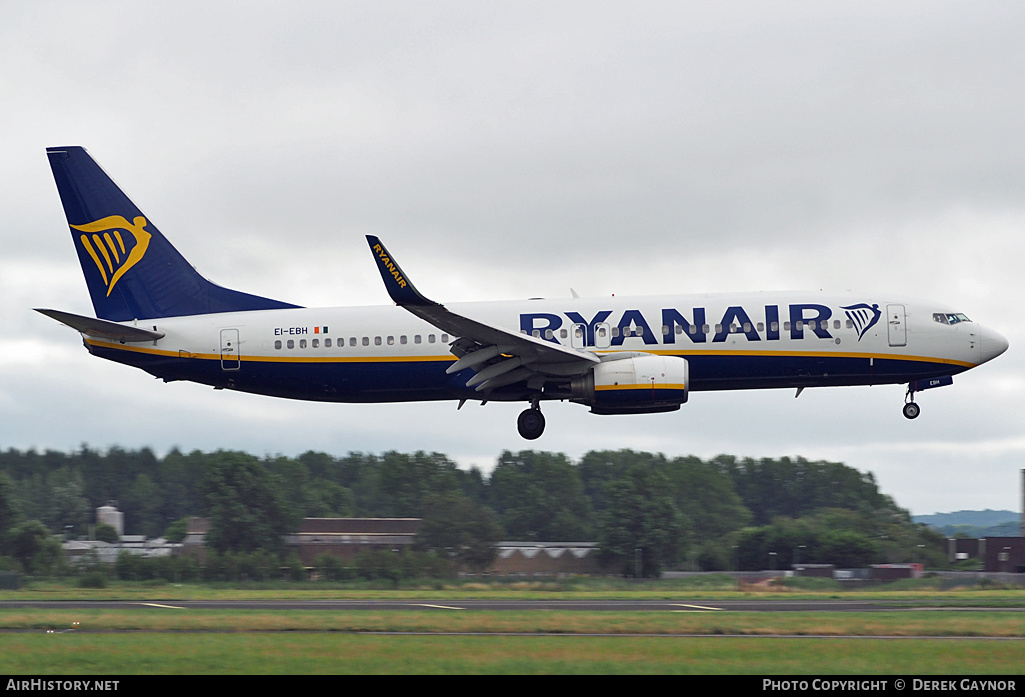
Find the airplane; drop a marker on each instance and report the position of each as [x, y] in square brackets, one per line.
[616, 355]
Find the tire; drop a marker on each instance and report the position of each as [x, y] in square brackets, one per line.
[531, 424]
[912, 410]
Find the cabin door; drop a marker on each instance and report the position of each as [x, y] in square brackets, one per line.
[578, 336]
[230, 358]
[896, 325]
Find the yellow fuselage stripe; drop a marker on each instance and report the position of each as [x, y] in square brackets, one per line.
[450, 358]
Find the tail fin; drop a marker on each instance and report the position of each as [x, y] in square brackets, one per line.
[132, 271]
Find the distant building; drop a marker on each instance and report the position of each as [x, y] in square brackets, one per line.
[340, 537]
[963, 549]
[547, 559]
[1003, 554]
[996, 554]
[346, 537]
[82, 551]
[110, 515]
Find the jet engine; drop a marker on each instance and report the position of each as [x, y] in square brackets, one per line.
[635, 383]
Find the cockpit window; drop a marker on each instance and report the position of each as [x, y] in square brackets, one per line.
[950, 317]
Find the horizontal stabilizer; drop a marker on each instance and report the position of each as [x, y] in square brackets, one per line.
[102, 328]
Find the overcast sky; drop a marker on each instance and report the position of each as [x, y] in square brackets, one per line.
[517, 149]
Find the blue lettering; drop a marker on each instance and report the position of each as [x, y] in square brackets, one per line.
[634, 319]
[772, 323]
[528, 324]
[798, 319]
[576, 318]
[672, 318]
[736, 313]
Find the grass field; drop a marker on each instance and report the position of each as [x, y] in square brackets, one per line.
[321, 653]
[165, 640]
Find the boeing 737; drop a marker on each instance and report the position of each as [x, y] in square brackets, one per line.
[616, 355]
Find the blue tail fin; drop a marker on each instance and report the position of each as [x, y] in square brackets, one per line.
[132, 271]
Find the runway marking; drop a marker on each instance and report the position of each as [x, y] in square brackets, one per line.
[440, 607]
[171, 607]
[694, 607]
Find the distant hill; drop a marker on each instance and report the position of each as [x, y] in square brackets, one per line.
[985, 523]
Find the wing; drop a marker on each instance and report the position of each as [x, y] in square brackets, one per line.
[102, 328]
[499, 356]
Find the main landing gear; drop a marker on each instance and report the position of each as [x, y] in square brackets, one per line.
[911, 410]
[531, 422]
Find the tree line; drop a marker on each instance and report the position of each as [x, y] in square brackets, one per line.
[684, 512]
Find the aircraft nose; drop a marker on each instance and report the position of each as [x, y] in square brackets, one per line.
[993, 344]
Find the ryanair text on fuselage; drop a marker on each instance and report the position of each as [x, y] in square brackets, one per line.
[735, 320]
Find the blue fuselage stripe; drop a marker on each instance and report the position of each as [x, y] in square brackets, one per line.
[397, 380]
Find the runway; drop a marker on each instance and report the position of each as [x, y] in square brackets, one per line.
[450, 604]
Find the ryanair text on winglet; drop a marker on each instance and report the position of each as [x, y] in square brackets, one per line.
[390, 266]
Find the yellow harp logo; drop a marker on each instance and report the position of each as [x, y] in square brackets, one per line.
[106, 245]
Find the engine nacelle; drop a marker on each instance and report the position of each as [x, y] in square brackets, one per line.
[634, 384]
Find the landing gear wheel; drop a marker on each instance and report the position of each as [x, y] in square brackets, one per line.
[912, 410]
[531, 424]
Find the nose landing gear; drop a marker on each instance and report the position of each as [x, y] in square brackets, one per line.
[911, 410]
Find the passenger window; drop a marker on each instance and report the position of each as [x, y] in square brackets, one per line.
[277, 344]
[774, 327]
[316, 343]
[302, 343]
[402, 339]
[391, 340]
[377, 341]
[417, 339]
[761, 327]
[327, 343]
[290, 344]
[366, 341]
[430, 338]
[444, 338]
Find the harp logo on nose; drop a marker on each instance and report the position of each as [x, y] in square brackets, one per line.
[863, 316]
[115, 245]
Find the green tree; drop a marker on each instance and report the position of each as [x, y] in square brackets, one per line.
[9, 511]
[539, 496]
[459, 530]
[641, 517]
[67, 507]
[26, 541]
[105, 533]
[244, 505]
[176, 531]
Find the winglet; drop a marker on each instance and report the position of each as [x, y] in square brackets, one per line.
[399, 287]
